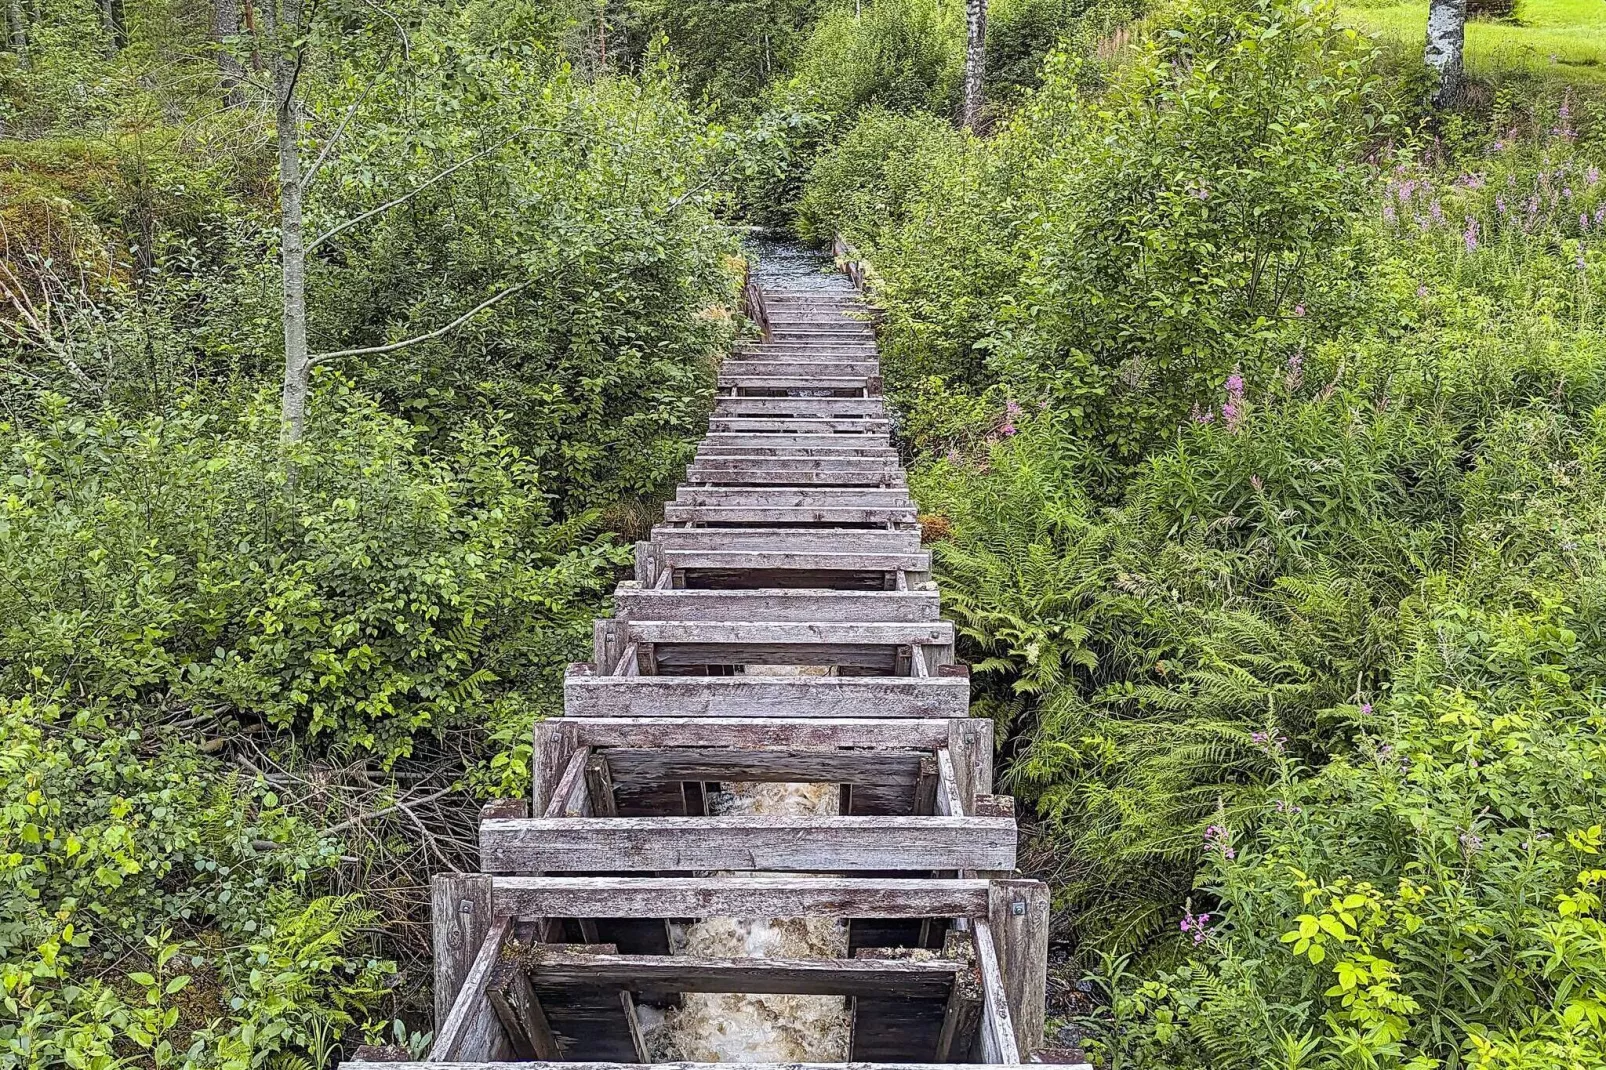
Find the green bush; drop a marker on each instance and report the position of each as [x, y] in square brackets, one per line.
[380, 594]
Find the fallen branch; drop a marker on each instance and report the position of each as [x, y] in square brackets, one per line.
[319, 358]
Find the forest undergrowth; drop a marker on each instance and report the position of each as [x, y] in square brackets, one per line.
[1256, 412]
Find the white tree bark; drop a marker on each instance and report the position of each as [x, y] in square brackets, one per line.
[225, 28]
[1447, 30]
[292, 251]
[975, 62]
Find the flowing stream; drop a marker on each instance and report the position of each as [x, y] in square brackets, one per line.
[718, 1027]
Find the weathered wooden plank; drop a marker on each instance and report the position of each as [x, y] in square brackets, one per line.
[780, 766]
[593, 1065]
[738, 897]
[519, 1010]
[790, 440]
[471, 1030]
[998, 1044]
[961, 1021]
[746, 842]
[460, 918]
[751, 514]
[1018, 917]
[772, 364]
[812, 407]
[711, 632]
[795, 497]
[554, 743]
[569, 798]
[766, 976]
[765, 696]
[736, 378]
[796, 477]
[875, 660]
[869, 426]
[947, 800]
[807, 462]
[762, 446]
[787, 540]
[813, 562]
[755, 734]
[970, 741]
[794, 604]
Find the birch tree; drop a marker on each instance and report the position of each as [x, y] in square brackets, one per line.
[225, 27]
[975, 62]
[1447, 30]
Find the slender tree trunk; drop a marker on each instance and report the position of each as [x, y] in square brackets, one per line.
[225, 28]
[1447, 31]
[293, 255]
[975, 62]
[116, 23]
[19, 31]
[249, 8]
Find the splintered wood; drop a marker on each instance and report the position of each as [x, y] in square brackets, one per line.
[763, 831]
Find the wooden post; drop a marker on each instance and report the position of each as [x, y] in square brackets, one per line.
[1018, 912]
[460, 918]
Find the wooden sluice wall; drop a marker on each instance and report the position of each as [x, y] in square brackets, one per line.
[793, 542]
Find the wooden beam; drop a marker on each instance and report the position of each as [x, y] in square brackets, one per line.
[747, 842]
[798, 605]
[738, 897]
[765, 696]
[592, 1065]
[1018, 914]
[767, 633]
[471, 1030]
[961, 1020]
[627, 1003]
[460, 918]
[931, 979]
[998, 1044]
[516, 1006]
[822, 561]
[741, 733]
[569, 798]
[766, 766]
[947, 799]
[554, 745]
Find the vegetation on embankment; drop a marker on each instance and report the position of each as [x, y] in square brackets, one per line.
[1255, 409]
[1257, 414]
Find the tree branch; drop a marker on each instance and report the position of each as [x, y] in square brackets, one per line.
[306, 179]
[415, 191]
[319, 358]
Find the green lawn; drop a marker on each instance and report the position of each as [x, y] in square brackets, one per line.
[1566, 38]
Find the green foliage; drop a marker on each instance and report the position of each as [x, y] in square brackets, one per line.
[731, 52]
[903, 55]
[383, 594]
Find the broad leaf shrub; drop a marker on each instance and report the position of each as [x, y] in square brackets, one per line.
[361, 594]
[1122, 251]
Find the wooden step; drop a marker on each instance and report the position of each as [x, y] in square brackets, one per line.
[800, 368]
[769, 560]
[805, 460]
[586, 694]
[963, 736]
[787, 540]
[736, 439]
[774, 477]
[746, 842]
[871, 427]
[776, 633]
[716, 515]
[794, 407]
[795, 497]
[744, 384]
[755, 447]
[739, 897]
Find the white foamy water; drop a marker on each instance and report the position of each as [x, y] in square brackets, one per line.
[721, 1027]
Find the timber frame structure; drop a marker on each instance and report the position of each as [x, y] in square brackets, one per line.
[793, 543]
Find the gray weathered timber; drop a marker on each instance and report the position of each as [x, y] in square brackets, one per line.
[796, 497]
[766, 633]
[808, 462]
[1018, 915]
[813, 407]
[787, 540]
[762, 446]
[738, 897]
[777, 766]
[799, 604]
[769, 976]
[351, 1064]
[715, 515]
[752, 560]
[998, 1036]
[709, 733]
[869, 426]
[460, 912]
[471, 1030]
[746, 842]
[892, 477]
[766, 696]
[774, 365]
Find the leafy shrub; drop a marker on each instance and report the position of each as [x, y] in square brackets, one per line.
[904, 55]
[382, 594]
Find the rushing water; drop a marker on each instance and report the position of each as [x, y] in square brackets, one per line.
[719, 1027]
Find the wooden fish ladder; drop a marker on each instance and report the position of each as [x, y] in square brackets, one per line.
[792, 542]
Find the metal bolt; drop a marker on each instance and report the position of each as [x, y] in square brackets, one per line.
[1017, 908]
[465, 906]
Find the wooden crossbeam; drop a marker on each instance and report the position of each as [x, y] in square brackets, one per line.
[796, 604]
[795, 497]
[740, 733]
[776, 477]
[751, 514]
[775, 766]
[768, 976]
[746, 842]
[759, 633]
[785, 540]
[869, 426]
[559, 896]
[589, 695]
[808, 561]
[795, 463]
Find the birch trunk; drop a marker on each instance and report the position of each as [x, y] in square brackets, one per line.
[292, 247]
[225, 28]
[975, 62]
[19, 31]
[1447, 30]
